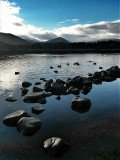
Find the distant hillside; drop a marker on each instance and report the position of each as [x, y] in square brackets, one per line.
[28, 39]
[58, 40]
[12, 39]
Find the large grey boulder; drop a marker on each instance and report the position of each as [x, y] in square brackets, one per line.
[33, 97]
[26, 84]
[55, 146]
[58, 88]
[13, 118]
[80, 105]
[28, 126]
[11, 99]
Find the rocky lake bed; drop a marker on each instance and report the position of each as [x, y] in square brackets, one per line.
[66, 117]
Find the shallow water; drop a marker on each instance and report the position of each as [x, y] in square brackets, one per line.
[58, 117]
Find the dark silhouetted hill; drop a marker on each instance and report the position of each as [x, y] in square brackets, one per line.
[58, 40]
[12, 39]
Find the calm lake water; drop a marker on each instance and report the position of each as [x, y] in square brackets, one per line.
[58, 119]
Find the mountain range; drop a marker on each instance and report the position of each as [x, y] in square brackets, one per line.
[11, 44]
[10, 39]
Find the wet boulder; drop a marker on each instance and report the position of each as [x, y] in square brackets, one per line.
[113, 72]
[86, 90]
[58, 88]
[28, 126]
[37, 109]
[87, 83]
[55, 146]
[49, 82]
[97, 75]
[37, 83]
[51, 67]
[43, 79]
[13, 118]
[24, 91]
[11, 99]
[109, 79]
[73, 90]
[80, 105]
[59, 66]
[60, 81]
[97, 81]
[56, 71]
[26, 84]
[76, 82]
[76, 63]
[104, 74]
[33, 97]
[47, 88]
[37, 89]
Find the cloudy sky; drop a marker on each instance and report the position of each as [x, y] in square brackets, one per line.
[74, 20]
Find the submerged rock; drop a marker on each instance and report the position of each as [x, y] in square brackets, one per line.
[51, 67]
[37, 83]
[37, 109]
[58, 97]
[11, 99]
[26, 84]
[59, 66]
[56, 71]
[28, 126]
[17, 73]
[81, 105]
[55, 146]
[42, 79]
[33, 97]
[76, 63]
[13, 118]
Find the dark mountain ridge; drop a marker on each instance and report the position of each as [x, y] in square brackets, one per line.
[12, 39]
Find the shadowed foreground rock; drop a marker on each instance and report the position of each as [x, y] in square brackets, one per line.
[13, 118]
[28, 126]
[55, 147]
[11, 99]
[81, 105]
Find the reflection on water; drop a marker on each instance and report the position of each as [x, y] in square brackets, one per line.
[58, 115]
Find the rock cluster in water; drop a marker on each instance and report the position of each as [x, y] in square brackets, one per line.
[28, 125]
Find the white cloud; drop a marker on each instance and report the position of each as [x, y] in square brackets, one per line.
[11, 22]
